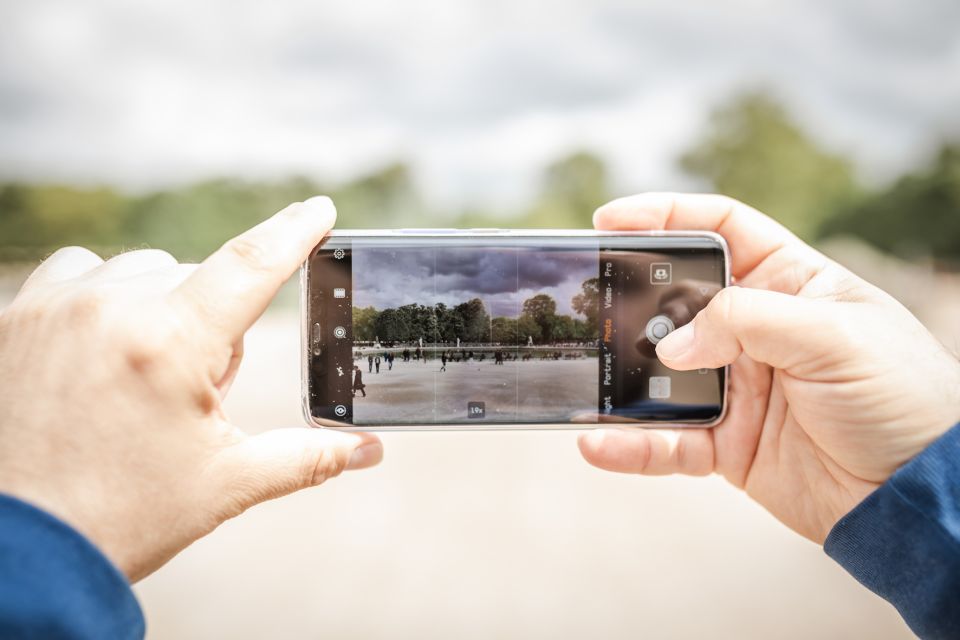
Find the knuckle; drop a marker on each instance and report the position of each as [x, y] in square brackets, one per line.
[250, 251]
[320, 467]
[158, 256]
[86, 305]
[726, 305]
[799, 266]
[27, 310]
[690, 460]
[644, 456]
[71, 251]
[146, 344]
[680, 454]
[729, 202]
[730, 206]
[144, 353]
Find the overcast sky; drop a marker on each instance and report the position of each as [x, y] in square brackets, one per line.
[478, 96]
[502, 279]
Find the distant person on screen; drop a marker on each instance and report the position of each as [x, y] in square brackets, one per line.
[370, 364]
[841, 417]
[358, 382]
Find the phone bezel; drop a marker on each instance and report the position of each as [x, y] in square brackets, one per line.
[482, 233]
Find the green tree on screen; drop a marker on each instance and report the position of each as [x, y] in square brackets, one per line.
[364, 323]
[528, 328]
[476, 321]
[506, 331]
[449, 323]
[587, 302]
[542, 310]
[392, 326]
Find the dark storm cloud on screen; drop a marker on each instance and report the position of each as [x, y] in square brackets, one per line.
[502, 278]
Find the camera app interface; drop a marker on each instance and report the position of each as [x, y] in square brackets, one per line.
[506, 330]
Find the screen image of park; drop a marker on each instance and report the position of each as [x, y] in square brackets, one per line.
[457, 334]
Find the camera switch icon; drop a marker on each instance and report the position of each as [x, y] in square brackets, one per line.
[661, 273]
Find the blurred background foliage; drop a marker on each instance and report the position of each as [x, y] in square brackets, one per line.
[751, 149]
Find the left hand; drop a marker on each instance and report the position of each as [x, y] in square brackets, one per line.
[112, 378]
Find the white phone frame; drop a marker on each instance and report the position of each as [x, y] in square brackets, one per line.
[480, 233]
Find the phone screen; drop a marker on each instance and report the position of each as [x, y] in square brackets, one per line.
[474, 331]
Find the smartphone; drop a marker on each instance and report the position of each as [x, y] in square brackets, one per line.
[496, 328]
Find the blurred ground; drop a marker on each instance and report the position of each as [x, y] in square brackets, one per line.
[495, 535]
[510, 535]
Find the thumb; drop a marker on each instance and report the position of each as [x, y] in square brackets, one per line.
[281, 461]
[774, 328]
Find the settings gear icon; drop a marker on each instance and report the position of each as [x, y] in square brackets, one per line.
[338, 254]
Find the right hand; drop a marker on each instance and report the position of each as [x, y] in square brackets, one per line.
[834, 384]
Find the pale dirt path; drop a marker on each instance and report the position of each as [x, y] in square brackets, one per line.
[495, 535]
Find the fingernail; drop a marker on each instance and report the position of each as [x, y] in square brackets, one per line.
[365, 456]
[676, 343]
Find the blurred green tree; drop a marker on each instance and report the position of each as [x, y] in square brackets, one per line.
[753, 151]
[189, 221]
[917, 214]
[193, 221]
[385, 198]
[573, 187]
[36, 220]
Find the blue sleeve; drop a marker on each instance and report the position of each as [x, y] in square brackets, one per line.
[903, 541]
[54, 584]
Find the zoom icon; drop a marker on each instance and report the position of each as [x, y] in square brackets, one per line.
[340, 333]
[340, 410]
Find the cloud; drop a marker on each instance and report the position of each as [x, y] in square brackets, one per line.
[502, 278]
[477, 96]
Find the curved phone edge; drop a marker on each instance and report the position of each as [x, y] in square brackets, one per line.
[322, 423]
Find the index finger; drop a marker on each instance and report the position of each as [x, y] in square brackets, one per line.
[233, 287]
[752, 236]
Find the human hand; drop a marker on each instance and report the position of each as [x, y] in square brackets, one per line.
[112, 377]
[834, 384]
